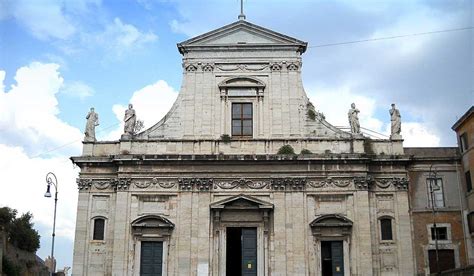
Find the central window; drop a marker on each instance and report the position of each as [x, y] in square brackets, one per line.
[242, 120]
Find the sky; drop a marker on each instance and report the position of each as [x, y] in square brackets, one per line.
[58, 58]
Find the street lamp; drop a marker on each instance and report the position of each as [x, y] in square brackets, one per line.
[51, 179]
[432, 178]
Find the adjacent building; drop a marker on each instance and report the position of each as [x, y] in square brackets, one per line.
[464, 129]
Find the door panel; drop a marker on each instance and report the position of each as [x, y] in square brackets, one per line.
[337, 255]
[151, 258]
[249, 251]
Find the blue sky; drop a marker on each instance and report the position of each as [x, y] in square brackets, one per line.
[60, 57]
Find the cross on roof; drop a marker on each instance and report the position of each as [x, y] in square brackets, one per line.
[241, 15]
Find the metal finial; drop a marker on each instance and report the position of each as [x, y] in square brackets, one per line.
[241, 15]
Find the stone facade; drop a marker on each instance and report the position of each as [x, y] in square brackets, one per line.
[183, 184]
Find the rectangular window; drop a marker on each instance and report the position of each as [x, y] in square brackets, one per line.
[435, 185]
[468, 181]
[386, 229]
[470, 221]
[463, 140]
[441, 233]
[242, 119]
[99, 227]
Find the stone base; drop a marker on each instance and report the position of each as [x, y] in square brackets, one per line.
[396, 137]
[126, 136]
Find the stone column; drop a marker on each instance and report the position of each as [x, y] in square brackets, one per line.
[121, 233]
[362, 236]
[82, 238]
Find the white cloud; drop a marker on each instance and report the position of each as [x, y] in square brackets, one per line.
[77, 89]
[24, 191]
[44, 19]
[151, 103]
[419, 135]
[29, 126]
[335, 104]
[28, 112]
[119, 37]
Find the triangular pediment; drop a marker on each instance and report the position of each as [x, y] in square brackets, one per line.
[241, 202]
[331, 220]
[242, 34]
[152, 221]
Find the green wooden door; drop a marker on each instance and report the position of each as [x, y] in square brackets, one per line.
[151, 258]
[249, 252]
[337, 256]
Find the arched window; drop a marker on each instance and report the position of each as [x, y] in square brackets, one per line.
[386, 229]
[99, 229]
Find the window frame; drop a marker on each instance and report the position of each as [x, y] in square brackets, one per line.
[448, 239]
[242, 119]
[439, 182]
[467, 176]
[438, 228]
[381, 227]
[93, 225]
[463, 142]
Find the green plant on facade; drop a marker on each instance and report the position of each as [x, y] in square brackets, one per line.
[286, 149]
[225, 138]
[306, 151]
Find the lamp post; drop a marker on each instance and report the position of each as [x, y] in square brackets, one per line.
[52, 180]
[432, 178]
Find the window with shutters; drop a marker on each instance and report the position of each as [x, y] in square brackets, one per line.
[99, 229]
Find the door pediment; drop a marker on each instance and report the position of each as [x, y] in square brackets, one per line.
[241, 202]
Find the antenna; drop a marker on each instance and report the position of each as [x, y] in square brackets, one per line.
[241, 15]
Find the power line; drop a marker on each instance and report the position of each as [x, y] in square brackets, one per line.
[70, 143]
[391, 37]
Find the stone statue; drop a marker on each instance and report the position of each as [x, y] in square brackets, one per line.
[130, 120]
[92, 122]
[396, 121]
[354, 119]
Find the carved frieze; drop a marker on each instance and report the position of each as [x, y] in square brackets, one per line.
[288, 183]
[241, 67]
[199, 184]
[241, 183]
[208, 68]
[121, 184]
[83, 183]
[395, 182]
[329, 182]
[163, 183]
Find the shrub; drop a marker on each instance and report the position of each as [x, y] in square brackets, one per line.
[225, 138]
[311, 114]
[286, 149]
[306, 151]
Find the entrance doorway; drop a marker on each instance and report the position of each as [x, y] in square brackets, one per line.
[151, 258]
[446, 260]
[332, 258]
[241, 254]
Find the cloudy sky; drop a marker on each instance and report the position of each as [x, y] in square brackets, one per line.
[58, 58]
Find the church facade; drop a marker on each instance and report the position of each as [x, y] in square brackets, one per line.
[214, 188]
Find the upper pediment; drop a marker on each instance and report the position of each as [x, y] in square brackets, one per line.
[241, 34]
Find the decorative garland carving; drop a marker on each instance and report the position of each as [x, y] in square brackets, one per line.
[241, 67]
[103, 184]
[242, 182]
[330, 182]
[154, 182]
[401, 183]
[362, 183]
